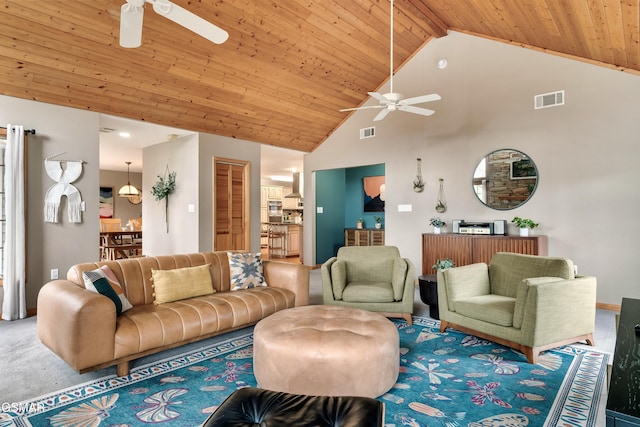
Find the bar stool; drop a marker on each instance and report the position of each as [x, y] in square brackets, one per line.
[276, 243]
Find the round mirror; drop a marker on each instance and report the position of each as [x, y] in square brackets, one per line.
[505, 179]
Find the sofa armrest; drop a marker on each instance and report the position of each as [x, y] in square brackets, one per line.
[559, 309]
[294, 277]
[76, 324]
[462, 283]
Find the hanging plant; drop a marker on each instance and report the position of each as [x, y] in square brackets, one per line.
[418, 183]
[164, 186]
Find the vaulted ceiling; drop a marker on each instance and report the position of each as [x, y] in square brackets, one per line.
[288, 65]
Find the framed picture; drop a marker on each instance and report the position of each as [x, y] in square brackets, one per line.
[373, 187]
[106, 202]
[523, 169]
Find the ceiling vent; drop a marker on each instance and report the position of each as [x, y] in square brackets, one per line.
[106, 130]
[368, 132]
[545, 100]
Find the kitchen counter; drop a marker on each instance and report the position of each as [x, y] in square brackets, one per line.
[284, 239]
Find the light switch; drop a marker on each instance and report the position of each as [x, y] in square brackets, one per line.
[191, 208]
[404, 208]
[319, 209]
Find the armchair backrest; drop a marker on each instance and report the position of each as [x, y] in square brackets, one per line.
[369, 263]
[508, 269]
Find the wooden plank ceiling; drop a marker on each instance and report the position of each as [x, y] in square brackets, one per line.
[288, 66]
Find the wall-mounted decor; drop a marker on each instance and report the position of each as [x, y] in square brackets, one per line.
[63, 176]
[418, 183]
[523, 169]
[106, 202]
[441, 207]
[164, 186]
[505, 179]
[374, 196]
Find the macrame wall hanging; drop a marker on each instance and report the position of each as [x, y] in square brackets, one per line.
[63, 176]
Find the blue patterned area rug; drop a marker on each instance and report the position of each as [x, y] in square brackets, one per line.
[448, 380]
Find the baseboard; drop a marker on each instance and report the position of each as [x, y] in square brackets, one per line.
[604, 306]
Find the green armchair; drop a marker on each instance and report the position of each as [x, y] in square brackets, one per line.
[374, 278]
[527, 302]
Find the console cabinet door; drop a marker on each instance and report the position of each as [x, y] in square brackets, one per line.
[466, 249]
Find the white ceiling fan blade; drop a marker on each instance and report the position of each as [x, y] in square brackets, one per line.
[190, 21]
[381, 115]
[415, 110]
[362, 108]
[421, 99]
[131, 14]
[380, 97]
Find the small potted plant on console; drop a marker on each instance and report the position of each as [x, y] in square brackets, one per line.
[437, 224]
[524, 224]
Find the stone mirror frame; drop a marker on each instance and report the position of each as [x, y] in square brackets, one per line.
[505, 179]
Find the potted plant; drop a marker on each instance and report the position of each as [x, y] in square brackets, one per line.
[442, 264]
[524, 224]
[360, 223]
[437, 224]
[378, 220]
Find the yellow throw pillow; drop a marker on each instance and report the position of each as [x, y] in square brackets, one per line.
[181, 283]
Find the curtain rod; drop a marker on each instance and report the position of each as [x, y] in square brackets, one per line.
[31, 131]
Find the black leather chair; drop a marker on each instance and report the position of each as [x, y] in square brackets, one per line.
[248, 407]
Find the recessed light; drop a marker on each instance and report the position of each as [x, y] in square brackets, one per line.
[442, 63]
[124, 135]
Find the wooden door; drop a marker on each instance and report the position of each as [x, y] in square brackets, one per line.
[231, 205]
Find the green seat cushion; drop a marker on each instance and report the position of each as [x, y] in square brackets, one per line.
[368, 292]
[494, 309]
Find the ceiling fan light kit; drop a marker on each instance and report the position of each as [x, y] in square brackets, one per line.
[394, 101]
[132, 13]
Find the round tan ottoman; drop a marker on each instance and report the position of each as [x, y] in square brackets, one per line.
[326, 351]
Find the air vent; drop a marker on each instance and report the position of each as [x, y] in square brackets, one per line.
[106, 130]
[545, 100]
[368, 132]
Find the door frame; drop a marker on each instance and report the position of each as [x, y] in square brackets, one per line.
[246, 191]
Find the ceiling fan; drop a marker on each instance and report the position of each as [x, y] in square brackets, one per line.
[394, 101]
[132, 11]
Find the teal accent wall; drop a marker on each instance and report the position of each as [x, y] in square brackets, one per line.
[340, 194]
[354, 197]
[330, 196]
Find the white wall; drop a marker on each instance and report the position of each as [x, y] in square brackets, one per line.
[74, 133]
[586, 151]
[181, 235]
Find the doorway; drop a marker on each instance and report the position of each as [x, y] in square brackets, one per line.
[231, 204]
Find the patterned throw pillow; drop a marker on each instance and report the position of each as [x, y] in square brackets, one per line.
[246, 270]
[103, 281]
[181, 283]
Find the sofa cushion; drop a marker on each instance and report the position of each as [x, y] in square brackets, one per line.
[368, 292]
[181, 283]
[494, 309]
[246, 270]
[103, 281]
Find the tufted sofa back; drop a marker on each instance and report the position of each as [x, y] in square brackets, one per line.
[134, 274]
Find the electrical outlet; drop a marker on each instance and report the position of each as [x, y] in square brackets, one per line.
[54, 273]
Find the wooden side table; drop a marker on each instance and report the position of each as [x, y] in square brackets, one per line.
[623, 403]
[429, 293]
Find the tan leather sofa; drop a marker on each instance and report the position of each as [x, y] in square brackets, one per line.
[82, 328]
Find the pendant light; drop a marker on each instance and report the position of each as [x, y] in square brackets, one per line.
[128, 190]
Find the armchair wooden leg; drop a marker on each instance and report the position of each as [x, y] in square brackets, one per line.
[443, 325]
[408, 318]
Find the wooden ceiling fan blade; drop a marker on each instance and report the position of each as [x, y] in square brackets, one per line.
[421, 99]
[131, 14]
[415, 110]
[190, 21]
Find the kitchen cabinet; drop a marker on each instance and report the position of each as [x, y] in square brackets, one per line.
[285, 240]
